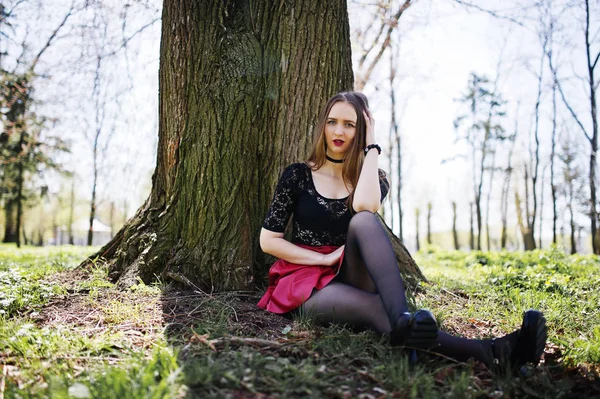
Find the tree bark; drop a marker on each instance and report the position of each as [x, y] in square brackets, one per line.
[241, 84]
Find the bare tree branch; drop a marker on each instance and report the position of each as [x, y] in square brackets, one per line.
[134, 34]
[563, 97]
[51, 38]
[373, 42]
[490, 12]
[392, 24]
[595, 61]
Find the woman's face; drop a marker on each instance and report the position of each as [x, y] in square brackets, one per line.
[340, 129]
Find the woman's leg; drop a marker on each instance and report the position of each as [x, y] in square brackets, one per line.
[370, 264]
[345, 304]
[463, 349]
[525, 345]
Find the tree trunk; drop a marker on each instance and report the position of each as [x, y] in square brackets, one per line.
[10, 232]
[111, 217]
[71, 211]
[488, 236]
[572, 225]
[534, 177]
[471, 233]
[417, 216]
[393, 130]
[541, 209]
[20, 188]
[429, 223]
[454, 232]
[594, 136]
[241, 85]
[399, 186]
[478, 215]
[526, 232]
[552, 157]
[90, 236]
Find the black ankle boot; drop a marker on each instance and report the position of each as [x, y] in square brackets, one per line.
[525, 345]
[418, 330]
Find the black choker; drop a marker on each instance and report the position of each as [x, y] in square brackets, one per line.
[333, 160]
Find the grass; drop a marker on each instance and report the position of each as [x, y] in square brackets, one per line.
[69, 334]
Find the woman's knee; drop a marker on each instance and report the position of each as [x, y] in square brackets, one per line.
[362, 218]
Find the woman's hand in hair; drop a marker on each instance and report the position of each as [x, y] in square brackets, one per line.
[370, 122]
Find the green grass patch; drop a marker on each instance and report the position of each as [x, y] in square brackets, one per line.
[152, 341]
[496, 287]
[22, 271]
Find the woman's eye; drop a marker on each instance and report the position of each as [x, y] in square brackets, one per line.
[331, 122]
[349, 125]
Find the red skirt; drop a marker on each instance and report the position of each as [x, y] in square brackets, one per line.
[291, 284]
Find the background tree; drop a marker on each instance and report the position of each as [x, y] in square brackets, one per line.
[481, 131]
[381, 34]
[591, 84]
[23, 151]
[239, 97]
[376, 38]
[429, 206]
[471, 229]
[417, 217]
[454, 232]
[506, 184]
[571, 175]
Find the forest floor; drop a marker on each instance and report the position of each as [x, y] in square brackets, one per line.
[69, 333]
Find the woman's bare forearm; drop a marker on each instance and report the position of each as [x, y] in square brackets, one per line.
[367, 194]
[283, 249]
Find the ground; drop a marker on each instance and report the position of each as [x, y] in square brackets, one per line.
[89, 339]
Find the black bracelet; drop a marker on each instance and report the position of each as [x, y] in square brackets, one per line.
[371, 146]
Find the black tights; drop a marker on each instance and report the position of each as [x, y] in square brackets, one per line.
[369, 291]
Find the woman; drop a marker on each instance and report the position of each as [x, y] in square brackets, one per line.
[340, 265]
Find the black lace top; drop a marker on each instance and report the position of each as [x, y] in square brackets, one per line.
[316, 220]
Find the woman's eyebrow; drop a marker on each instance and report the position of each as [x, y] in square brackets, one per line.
[345, 120]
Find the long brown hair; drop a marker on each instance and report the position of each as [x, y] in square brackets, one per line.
[353, 159]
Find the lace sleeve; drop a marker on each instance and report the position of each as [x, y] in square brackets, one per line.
[384, 184]
[284, 199]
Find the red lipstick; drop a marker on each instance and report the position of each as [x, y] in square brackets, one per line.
[338, 143]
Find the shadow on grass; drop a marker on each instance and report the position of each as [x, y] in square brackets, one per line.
[228, 347]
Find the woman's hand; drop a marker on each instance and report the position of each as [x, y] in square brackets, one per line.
[370, 138]
[333, 258]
